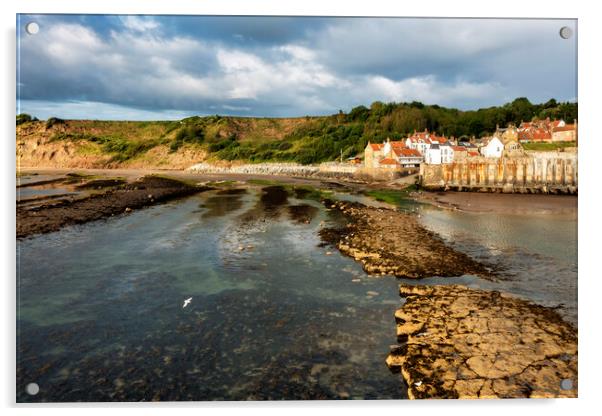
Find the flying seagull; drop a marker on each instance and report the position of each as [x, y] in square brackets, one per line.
[186, 302]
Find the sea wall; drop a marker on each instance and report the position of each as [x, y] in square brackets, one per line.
[332, 170]
[542, 172]
[325, 170]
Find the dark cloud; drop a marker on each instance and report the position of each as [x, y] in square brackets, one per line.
[285, 66]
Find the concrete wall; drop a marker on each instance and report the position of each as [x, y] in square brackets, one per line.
[324, 170]
[543, 172]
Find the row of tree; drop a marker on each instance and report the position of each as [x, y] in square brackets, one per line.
[404, 118]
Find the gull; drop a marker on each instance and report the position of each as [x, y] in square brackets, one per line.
[418, 383]
[186, 302]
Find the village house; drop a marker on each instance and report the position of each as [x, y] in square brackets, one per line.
[459, 153]
[433, 154]
[377, 153]
[534, 134]
[447, 153]
[469, 146]
[492, 147]
[510, 139]
[547, 131]
[373, 154]
[409, 158]
[507, 134]
[389, 163]
[422, 140]
[565, 132]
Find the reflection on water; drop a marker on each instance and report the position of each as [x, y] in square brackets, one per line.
[536, 254]
[38, 189]
[273, 316]
[54, 188]
[225, 201]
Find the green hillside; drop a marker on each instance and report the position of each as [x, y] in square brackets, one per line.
[304, 140]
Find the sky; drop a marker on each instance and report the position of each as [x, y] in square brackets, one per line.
[170, 67]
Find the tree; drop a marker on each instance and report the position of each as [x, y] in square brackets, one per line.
[24, 118]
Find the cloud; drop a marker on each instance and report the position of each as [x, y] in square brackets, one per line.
[306, 66]
[429, 89]
[139, 24]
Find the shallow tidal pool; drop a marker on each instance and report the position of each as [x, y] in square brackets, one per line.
[273, 315]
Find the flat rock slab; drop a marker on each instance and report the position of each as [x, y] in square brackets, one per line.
[389, 242]
[457, 342]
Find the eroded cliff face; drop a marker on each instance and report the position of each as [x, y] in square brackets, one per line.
[542, 172]
[37, 147]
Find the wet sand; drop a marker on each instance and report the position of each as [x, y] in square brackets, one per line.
[519, 204]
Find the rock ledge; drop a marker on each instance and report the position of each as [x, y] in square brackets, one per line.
[457, 342]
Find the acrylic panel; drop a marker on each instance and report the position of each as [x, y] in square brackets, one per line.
[299, 208]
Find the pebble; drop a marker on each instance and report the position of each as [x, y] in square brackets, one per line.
[371, 293]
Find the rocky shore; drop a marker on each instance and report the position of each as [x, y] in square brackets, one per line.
[115, 200]
[457, 342]
[386, 241]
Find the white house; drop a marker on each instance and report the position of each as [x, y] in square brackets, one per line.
[492, 148]
[422, 140]
[447, 153]
[432, 156]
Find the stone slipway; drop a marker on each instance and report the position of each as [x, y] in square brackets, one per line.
[457, 342]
